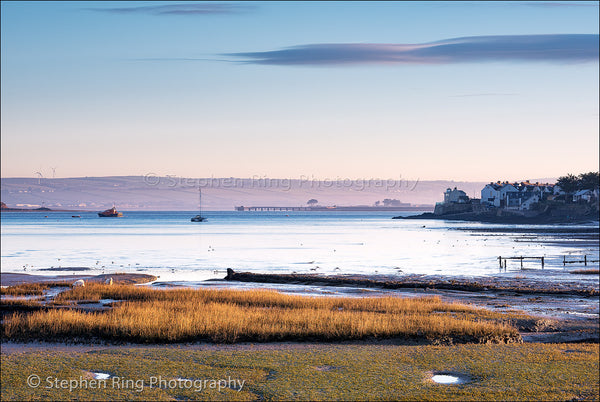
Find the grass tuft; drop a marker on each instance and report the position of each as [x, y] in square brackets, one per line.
[31, 289]
[588, 271]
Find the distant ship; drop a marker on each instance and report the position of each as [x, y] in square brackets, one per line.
[110, 213]
[199, 217]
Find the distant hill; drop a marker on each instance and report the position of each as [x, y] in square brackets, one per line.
[176, 193]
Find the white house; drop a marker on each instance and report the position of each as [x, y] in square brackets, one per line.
[490, 194]
[455, 196]
[513, 195]
[496, 193]
[583, 195]
[534, 199]
[508, 189]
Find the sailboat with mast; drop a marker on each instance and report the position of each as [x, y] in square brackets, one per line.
[199, 217]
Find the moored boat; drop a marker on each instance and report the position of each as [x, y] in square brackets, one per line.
[199, 217]
[110, 213]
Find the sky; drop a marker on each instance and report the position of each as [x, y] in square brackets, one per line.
[472, 91]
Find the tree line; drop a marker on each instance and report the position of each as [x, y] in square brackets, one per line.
[585, 181]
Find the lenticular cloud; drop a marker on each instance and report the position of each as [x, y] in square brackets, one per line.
[549, 48]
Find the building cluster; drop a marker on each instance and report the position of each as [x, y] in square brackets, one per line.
[521, 195]
[517, 195]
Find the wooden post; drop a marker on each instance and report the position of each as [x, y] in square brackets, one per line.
[542, 262]
[521, 262]
[505, 264]
[500, 261]
[564, 260]
[585, 260]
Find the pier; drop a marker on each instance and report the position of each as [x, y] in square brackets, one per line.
[521, 258]
[242, 208]
[584, 261]
[338, 208]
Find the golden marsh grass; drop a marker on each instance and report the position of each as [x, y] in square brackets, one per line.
[31, 289]
[586, 271]
[184, 315]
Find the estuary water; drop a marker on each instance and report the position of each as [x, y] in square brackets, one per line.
[333, 243]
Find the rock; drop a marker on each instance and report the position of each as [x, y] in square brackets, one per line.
[230, 274]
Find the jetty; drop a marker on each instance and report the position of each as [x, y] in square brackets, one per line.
[334, 208]
[584, 261]
[521, 258]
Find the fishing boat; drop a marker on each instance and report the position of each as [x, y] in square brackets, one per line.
[110, 213]
[199, 217]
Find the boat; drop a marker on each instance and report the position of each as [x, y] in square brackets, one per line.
[110, 213]
[199, 217]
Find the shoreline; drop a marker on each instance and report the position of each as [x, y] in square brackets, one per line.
[503, 219]
[42, 210]
[487, 284]
[11, 278]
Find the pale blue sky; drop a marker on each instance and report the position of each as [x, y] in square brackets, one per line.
[207, 89]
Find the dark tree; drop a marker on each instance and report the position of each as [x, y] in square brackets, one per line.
[312, 202]
[589, 181]
[568, 183]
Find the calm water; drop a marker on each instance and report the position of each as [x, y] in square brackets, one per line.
[169, 245]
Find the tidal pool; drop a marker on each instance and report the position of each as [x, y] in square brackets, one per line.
[446, 379]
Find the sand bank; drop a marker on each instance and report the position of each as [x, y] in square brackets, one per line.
[11, 279]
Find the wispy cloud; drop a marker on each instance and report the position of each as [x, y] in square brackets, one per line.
[549, 48]
[181, 9]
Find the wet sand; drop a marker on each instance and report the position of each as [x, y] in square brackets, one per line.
[581, 237]
[11, 279]
[427, 282]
